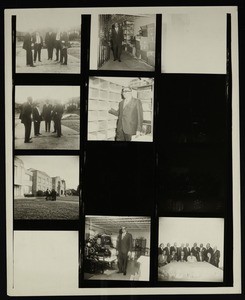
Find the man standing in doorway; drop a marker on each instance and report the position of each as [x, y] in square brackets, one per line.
[25, 116]
[130, 116]
[124, 249]
[117, 38]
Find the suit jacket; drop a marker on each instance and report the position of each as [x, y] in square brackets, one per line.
[130, 117]
[174, 249]
[26, 112]
[64, 40]
[124, 244]
[50, 39]
[201, 254]
[27, 42]
[180, 249]
[36, 115]
[187, 251]
[117, 37]
[35, 41]
[195, 251]
[58, 111]
[47, 111]
[209, 250]
[160, 250]
[215, 258]
[168, 251]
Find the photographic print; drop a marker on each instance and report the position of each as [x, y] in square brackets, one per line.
[46, 188]
[117, 248]
[48, 41]
[47, 117]
[191, 249]
[120, 109]
[123, 42]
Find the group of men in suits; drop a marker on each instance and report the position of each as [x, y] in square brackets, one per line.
[31, 112]
[58, 41]
[186, 253]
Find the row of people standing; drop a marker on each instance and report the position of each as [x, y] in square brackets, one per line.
[30, 111]
[186, 253]
[58, 41]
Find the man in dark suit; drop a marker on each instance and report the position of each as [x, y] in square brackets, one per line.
[57, 115]
[130, 116]
[25, 116]
[27, 45]
[187, 249]
[174, 248]
[209, 252]
[124, 249]
[117, 38]
[215, 257]
[180, 250]
[168, 251]
[38, 44]
[64, 47]
[47, 115]
[161, 249]
[50, 43]
[195, 250]
[201, 253]
[58, 45]
[37, 118]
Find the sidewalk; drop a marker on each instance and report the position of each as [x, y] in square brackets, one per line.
[70, 138]
[128, 62]
[46, 66]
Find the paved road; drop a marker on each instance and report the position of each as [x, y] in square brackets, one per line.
[48, 140]
[46, 66]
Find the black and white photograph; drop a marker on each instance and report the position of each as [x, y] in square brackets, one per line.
[190, 249]
[46, 187]
[120, 109]
[193, 42]
[47, 117]
[48, 41]
[123, 42]
[117, 248]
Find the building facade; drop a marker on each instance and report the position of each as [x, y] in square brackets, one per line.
[22, 179]
[27, 182]
[59, 185]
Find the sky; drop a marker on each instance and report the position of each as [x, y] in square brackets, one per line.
[37, 19]
[42, 92]
[67, 167]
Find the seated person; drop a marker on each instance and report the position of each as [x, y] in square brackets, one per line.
[191, 258]
[208, 259]
[182, 257]
[162, 259]
[173, 257]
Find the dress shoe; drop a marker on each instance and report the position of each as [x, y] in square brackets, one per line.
[39, 134]
[124, 273]
[32, 66]
[28, 141]
[40, 60]
[119, 60]
[115, 59]
[54, 132]
[64, 64]
[119, 272]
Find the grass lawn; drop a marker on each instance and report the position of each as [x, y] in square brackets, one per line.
[64, 208]
[73, 124]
